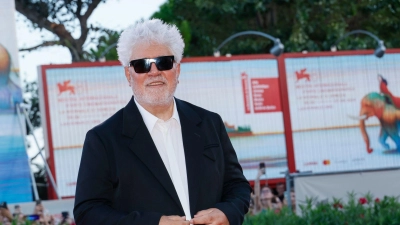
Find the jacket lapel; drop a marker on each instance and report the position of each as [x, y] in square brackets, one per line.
[144, 148]
[193, 145]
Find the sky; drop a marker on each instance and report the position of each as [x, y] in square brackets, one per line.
[114, 14]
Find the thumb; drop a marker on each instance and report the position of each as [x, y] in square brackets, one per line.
[177, 218]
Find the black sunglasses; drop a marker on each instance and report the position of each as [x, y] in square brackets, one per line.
[144, 65]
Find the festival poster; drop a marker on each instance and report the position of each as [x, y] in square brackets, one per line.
[345, 112]
[79, 98]
[245, 93]
[15, 182]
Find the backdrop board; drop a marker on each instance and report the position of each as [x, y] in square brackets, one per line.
[77, 98]
[15, 181]
[244, 90]
[332, 99]
[325, 187]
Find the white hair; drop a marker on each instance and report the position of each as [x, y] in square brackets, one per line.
[153, 31]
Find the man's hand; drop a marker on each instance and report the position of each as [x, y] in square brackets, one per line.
[211, 216]
[260, 173]
[173, 220]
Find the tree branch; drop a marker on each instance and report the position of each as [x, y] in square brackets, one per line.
[42, 22]
[78, 9]
[83, 20]
[44, 44]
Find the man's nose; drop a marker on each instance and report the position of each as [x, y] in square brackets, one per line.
[153, 69]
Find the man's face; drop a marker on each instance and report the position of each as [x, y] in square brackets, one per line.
[293, 198]
[155, 88]
[280, 189]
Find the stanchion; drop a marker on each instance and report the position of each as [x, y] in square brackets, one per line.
[34, 186]
[53, 183]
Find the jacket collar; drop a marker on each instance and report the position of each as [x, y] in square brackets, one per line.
[144, 148]
[132, 116]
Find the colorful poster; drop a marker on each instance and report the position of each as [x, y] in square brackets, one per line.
[15, 183]
[345, 112]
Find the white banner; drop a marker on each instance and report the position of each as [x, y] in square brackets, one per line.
[325, 187]
[328, 95]
[244, 92]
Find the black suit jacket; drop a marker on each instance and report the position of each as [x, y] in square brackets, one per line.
[122, 178]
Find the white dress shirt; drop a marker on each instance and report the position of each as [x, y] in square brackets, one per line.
[167, 136]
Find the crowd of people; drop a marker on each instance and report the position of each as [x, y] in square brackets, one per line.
[40, 216]
[265, 198]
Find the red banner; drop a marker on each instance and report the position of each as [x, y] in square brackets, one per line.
[246, 94]
[265, 92]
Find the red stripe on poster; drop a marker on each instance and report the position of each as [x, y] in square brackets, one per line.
[246, 92]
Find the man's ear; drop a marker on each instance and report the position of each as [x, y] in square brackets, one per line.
[127, 74]
[178, 71]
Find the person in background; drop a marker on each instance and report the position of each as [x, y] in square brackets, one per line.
[252, 205]
[18, 215]
[292, 200]
[280, 191]
[159, 160]
[264, 198]
[5, 214]
[268, 201]
[66, 220]
[44, 217]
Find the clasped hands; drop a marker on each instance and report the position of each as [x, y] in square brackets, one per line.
[211, 216]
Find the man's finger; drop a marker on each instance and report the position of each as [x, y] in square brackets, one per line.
[177, 218]
[204, 219]
[201, 220]
[203, 212]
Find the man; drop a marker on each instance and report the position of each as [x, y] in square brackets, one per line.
[280, 191]
[159, 160]
[292, 200]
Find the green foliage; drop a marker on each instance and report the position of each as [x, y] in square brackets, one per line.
[363, 211]
[31, 97]
[285, 217]
[106, 47]
[300, 24]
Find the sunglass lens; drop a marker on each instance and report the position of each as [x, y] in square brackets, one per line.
[141, 66]
[165, 63]
[144, 65]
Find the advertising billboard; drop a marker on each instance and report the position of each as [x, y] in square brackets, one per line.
[15, 183]
[76, 100]
[244, 91]
[345, 111]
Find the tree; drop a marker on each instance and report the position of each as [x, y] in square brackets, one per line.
[300, 25]
[62, 18]
[31, 98]
[106, 47]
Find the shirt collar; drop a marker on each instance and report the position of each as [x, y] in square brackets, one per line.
[150, 120]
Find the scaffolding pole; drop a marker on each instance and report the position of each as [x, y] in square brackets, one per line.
[34, 186]
[53, 183]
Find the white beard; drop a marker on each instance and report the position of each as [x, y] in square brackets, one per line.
[161, 97]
